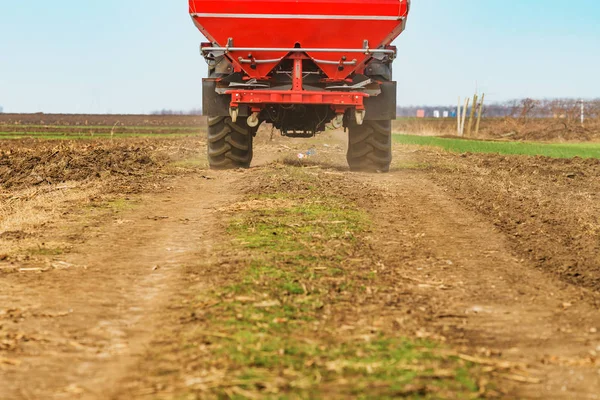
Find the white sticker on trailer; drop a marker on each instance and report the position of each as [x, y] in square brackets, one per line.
[300, 16]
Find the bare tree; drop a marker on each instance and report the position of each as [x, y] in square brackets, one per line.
[593, 109]
[527, 106]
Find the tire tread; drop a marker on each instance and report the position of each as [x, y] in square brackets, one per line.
[370, 146]
[229, 144]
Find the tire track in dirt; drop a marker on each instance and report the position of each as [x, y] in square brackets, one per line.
[85, 326]
[467, 284]
[476, 293]
[85, 330]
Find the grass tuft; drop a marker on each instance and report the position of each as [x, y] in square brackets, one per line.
[554, 150]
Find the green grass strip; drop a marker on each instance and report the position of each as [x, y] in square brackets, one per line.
[554, 150]
[118, 128]
[268, 329]
[77, 136]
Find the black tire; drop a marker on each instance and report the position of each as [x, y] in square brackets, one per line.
[229, 143]
[370, 146]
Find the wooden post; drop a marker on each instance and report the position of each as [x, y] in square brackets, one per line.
[458, 115]
[464, 117]
[479, 113]
[472, 115]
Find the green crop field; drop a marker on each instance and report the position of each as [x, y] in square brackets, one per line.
[118, 128]
[87, 135]
[555, 150]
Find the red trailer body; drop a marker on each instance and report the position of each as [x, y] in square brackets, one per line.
[298, 64]
[284, 24]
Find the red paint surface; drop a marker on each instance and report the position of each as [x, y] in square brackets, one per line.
[285, 33]
[259, 98]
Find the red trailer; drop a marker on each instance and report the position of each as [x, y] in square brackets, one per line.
[300, 65]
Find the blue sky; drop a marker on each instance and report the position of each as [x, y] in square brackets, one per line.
[137, 56]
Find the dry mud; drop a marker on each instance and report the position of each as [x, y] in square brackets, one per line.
[497, 257]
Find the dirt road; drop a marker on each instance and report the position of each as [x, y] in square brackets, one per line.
[95, 300]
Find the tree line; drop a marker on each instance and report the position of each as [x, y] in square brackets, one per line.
[565, 108]
[194, 111]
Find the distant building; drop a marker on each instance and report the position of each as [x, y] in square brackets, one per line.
[446, 114]
[420, 113]
[436, 114]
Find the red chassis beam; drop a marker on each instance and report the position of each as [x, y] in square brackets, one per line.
[258, 98]
[339, 101]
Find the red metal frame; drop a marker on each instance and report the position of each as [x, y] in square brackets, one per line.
[334, 32]
[339, 101]
[256, 99]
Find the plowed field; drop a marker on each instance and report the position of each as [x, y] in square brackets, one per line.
[129, 270]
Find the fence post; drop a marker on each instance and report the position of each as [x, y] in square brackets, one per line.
[464, 117]
[458, 116]
[479, 115]
[472, 115]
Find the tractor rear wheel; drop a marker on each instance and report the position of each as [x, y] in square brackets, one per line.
[370, 146]
[229, 143]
